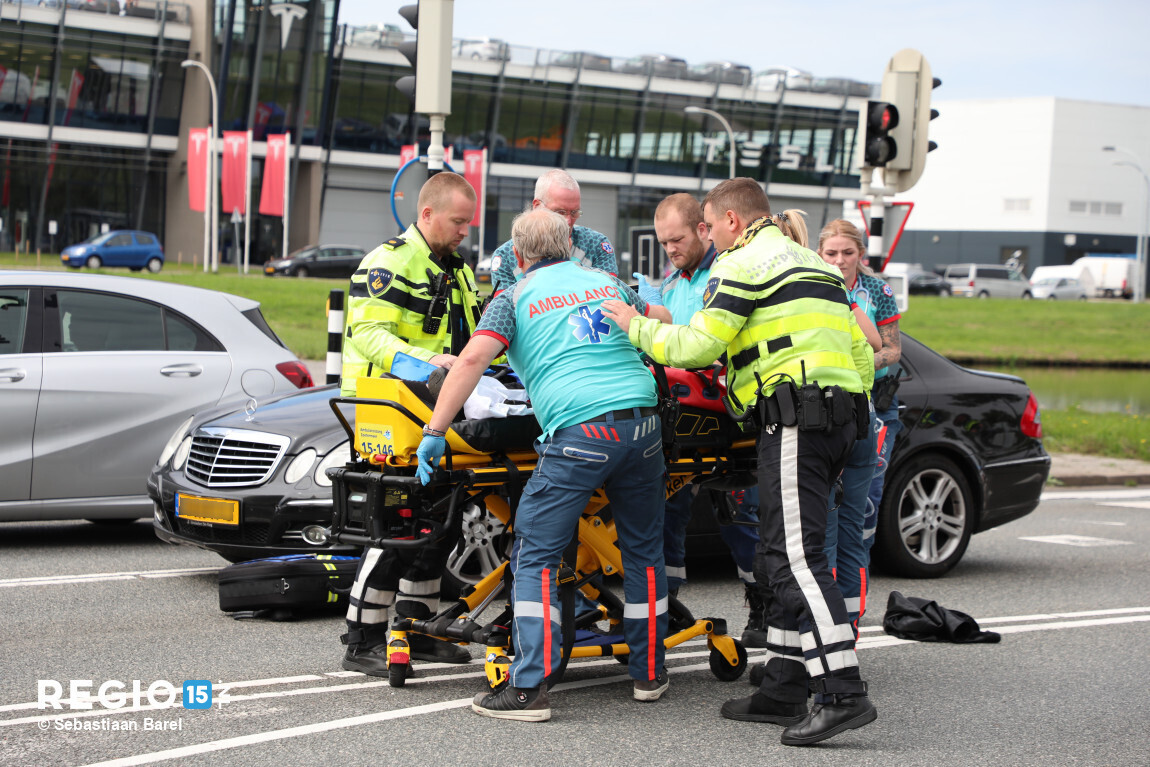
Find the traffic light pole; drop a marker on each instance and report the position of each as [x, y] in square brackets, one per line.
[875, 250]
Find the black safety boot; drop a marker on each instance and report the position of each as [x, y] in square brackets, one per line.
[755, 634]
[762, 708]
[366, 660]
[436, 650]
[845, 706]
[756, 673]
[519, 703]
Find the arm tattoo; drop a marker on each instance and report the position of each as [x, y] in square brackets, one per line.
[891, 346]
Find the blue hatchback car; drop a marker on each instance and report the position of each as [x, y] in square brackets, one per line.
[124, 247]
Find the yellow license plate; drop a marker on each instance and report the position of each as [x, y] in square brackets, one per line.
[214, 510]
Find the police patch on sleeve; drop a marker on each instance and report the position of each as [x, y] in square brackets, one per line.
[886, 291]
[711, 291]
[377, 281]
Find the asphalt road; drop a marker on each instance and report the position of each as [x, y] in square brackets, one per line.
[1066, 587]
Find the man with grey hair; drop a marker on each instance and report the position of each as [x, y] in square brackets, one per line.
[594, 436]
[557, 191]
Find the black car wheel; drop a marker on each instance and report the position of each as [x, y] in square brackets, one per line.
[478, 551]
[301, 271]
[944, 292]
[155, 265]
[984, 294]
[94, 262]
[926, 518]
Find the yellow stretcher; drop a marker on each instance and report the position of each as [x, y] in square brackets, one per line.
[378, 501]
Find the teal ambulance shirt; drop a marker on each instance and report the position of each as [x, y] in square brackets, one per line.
[575, 363]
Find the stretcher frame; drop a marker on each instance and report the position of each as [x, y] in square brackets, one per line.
[377, 496]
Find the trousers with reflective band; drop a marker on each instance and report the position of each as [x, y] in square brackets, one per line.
[572, 465]
[803, 603]
[776, 309]
[391, 296]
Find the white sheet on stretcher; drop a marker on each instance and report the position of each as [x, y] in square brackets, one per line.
[491, 399]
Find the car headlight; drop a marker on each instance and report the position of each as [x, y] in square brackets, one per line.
[300, 466]
[174, 441]
[182, 453]
[337, 457]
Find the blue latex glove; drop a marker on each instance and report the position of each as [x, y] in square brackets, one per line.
[648, 292]
[429, 452]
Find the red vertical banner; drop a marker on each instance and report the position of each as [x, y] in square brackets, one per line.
[275, 176]
[448, 154]
[473, 172]
[198, 169]
[234, 176]
[407, 153]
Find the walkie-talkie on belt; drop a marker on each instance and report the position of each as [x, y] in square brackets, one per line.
[440, 288]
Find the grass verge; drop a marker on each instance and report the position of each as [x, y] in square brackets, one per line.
[1115, 435]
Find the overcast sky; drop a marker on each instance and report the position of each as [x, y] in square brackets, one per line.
[1094, 51]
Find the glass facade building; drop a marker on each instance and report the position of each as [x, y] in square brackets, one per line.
[95, 109]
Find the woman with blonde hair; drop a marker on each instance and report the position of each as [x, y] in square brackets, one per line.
[841, 244]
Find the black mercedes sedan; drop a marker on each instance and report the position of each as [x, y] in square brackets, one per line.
[968, 459]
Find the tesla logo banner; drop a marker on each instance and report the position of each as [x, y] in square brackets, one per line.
[234, 177]
[473, 172]
[198, 169]
[275, 175]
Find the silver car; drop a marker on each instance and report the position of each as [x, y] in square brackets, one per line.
[96, 372]
[1058, 289]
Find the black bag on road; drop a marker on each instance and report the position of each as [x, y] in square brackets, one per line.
[286, 585]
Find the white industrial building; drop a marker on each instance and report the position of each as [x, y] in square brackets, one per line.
[1029, 175]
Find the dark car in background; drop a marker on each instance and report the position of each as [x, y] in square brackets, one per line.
[584, 60]
[339, 261]
[920, 283]
[121, 247]
[969, 458]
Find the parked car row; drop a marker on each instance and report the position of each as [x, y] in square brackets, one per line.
[970, 458]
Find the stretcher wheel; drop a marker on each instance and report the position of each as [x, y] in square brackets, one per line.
[721, 667]
[397, 674]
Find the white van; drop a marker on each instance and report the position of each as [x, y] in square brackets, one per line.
[987, 281]
[1075, 272]
[1113, 275]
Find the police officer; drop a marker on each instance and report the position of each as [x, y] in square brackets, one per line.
[413, 295]
[680, 230]
[594, 436]
[794, 351]
[557, 191]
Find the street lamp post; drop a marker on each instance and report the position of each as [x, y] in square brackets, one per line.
[211, 215]
[1144, 232]
[693, 110]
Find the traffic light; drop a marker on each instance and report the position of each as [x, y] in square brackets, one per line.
[430, 54]
[907, 86]
[879, 147]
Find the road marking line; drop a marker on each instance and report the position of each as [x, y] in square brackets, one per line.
[1094, 495]
[310, 729]
[1075, 540]
[62, 580]
[1128, 504]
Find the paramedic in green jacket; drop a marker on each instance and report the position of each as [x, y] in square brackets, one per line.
[412, 295]
[784, 320]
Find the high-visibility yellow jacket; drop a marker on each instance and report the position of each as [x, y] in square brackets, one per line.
[391, 296]
[775, 308]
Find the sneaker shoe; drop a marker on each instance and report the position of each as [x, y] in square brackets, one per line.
[826, 720]
[650, 690]
[762, 708]
[436, 650]
[520, 704]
